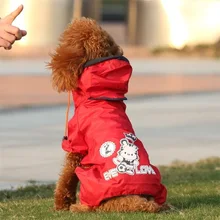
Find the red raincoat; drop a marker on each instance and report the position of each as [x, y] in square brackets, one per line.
[101, 131]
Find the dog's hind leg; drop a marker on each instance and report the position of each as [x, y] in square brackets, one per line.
[80, 208]
[65, 191]
[130, 203]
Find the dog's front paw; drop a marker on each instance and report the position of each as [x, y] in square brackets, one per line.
[61, 207]
[63, 202]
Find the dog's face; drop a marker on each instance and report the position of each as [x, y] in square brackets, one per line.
[83, 40]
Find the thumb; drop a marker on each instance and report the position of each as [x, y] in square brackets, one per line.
[23, 33]
[11, 17]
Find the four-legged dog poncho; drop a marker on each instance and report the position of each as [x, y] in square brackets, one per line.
[115, 161]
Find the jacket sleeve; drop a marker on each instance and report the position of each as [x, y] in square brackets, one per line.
[75, 141]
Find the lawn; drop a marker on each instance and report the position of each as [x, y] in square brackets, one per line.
[193, 191]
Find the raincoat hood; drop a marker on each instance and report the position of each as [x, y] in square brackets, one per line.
[104, 79]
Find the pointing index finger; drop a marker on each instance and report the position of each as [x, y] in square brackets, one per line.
[11, 17]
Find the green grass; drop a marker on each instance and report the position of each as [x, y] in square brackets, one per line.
[193, 191]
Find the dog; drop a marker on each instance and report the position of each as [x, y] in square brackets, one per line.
[103, 151]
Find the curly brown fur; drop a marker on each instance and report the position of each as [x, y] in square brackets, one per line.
[83, 40]
[65, 191]
[130, 203]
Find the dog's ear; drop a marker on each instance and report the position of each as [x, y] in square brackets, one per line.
[66, 64]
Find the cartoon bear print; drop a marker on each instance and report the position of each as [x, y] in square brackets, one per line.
[127, 159]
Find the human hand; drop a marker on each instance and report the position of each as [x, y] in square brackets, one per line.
[9, 33]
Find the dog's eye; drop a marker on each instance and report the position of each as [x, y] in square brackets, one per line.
[125, 153]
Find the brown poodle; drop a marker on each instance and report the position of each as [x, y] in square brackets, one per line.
[103, 151]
